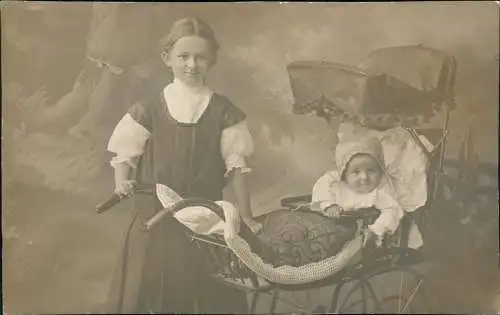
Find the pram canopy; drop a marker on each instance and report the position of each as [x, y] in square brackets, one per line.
[403, 85]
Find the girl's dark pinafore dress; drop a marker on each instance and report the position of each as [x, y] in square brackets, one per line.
[162, 271]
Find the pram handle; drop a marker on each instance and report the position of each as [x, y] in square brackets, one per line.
[244, 232]
[116, 198]
[108, 204]
[296, 202]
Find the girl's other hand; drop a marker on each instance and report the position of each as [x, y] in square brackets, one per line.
[333, 211]
[255, 227]
[125, 188]
[370, 239]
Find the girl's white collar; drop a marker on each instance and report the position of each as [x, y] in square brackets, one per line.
[183, 88]
[185, 103]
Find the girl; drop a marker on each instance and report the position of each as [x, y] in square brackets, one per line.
[361, 182]
[191, 140]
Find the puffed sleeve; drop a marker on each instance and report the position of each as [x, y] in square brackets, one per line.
[236, 139]
[236, 145]
[324, 192]
[129, 136]
[391, 214]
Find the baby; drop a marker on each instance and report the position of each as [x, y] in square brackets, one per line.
[359, 182]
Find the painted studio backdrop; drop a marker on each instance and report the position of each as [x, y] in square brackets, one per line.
[70, 71]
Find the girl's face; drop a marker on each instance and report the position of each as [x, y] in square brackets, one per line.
[190, 59]
[362, 174]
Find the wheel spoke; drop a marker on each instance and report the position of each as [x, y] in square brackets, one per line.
[407, 297]
[374, 296]
[400, 290]
[412, 296]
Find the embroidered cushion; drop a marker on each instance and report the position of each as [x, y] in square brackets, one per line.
[297, 238]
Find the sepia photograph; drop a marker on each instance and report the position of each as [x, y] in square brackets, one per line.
[250, 157]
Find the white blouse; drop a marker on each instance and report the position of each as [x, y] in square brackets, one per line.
[329, 190]
[186, 105]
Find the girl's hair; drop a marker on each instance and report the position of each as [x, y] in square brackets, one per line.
[189, 27]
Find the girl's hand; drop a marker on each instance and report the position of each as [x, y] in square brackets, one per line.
[333, 211]
[370, 238]
[125, 188]
[254, 226]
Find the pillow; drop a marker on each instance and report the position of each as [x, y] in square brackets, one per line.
[297, 238]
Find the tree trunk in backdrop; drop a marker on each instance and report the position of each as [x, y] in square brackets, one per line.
[121, 53]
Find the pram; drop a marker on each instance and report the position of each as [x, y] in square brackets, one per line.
[378, 94]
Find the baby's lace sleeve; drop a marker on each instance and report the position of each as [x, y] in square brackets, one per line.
[236, 145]
[128, 139]
[324, 192]
[390, 216]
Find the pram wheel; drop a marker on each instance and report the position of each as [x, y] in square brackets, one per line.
[372, 294]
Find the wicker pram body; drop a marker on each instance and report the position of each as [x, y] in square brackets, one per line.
[295, 247]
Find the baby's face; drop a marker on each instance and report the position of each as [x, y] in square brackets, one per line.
[362, 174]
